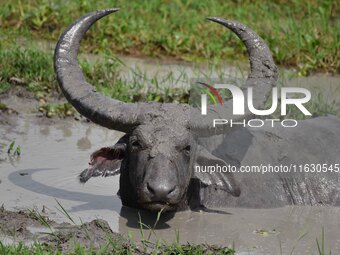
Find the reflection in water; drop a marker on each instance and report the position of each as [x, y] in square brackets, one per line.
[67, 132]
[45, 131]
[84, 143]
[136, 219]
[90, 201]
[13, 160]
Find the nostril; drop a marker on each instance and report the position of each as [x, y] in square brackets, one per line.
[172, 190]
[150, 189]
[160, 191]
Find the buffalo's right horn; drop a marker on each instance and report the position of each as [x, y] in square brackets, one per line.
[83, 96]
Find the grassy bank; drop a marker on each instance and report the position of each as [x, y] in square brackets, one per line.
[301, 33]
[113, 248]
[96, 237]
[27, 66]
[93, 237]
[31, 67]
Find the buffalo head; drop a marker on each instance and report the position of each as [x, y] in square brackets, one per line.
[156, 156]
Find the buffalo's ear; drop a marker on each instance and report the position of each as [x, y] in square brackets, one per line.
[219, 179]
[105, 161]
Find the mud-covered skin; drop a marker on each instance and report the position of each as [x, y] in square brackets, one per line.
[160, 149]
[314, 141]
[151, 178]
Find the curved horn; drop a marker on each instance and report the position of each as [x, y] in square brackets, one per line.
[83, 96]
[263, 76]
[261, 61]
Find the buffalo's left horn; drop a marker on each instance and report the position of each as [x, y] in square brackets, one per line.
[262, 77]
[83, 96]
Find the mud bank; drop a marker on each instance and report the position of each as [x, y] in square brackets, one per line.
[32, 226]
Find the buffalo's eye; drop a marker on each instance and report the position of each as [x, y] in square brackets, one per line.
[135, 144]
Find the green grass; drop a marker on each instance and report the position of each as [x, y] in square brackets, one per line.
[145, 246]
[301, 33]
[123, 245]
[112, 248]
[321, 244]
[3, 107]
[32, 68]
[16, 152]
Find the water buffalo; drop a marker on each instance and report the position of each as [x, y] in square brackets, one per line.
[156, 158]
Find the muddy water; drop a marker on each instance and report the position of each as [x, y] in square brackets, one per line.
[53, 155]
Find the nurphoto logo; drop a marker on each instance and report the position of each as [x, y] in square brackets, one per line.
[238, 100]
